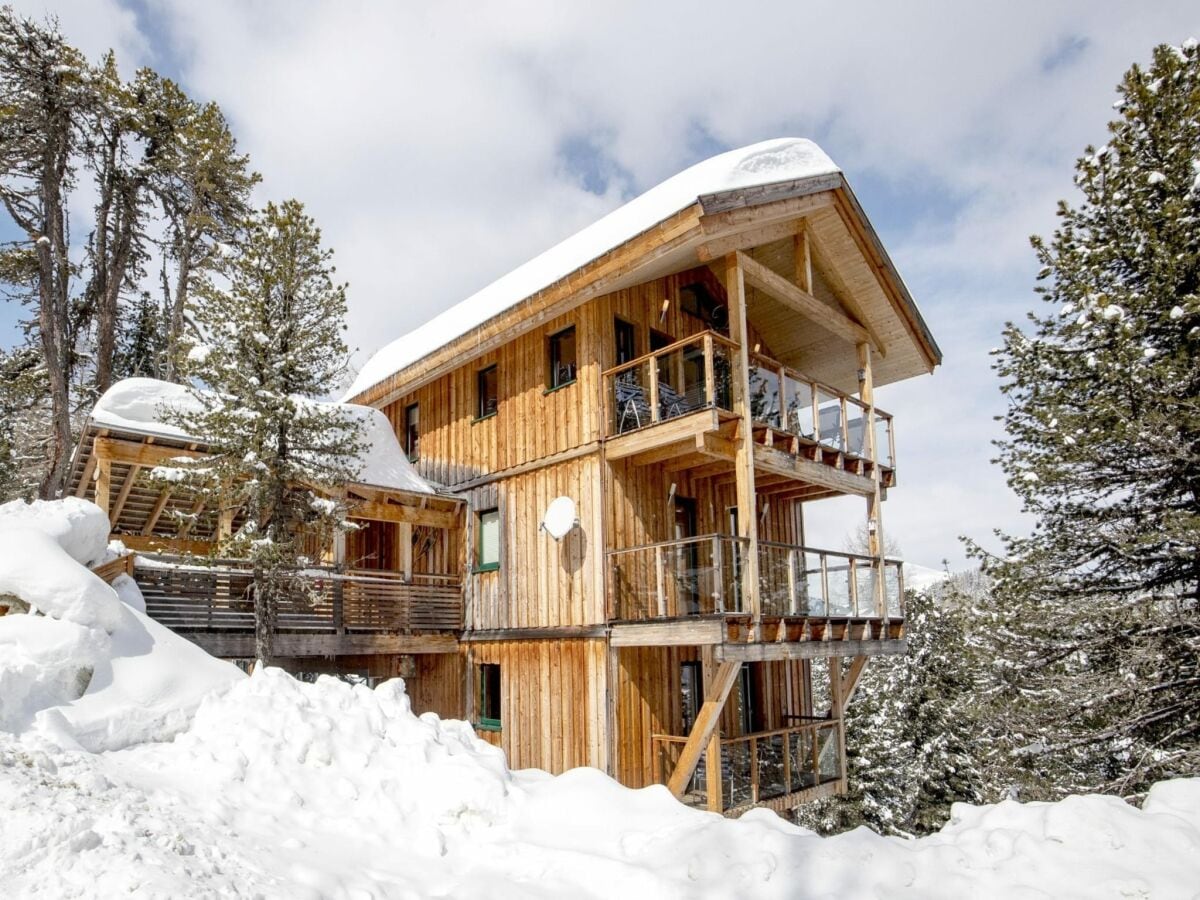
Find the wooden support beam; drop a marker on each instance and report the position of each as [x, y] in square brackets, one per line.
[716, 223]
[123, 494]
[875, 544]
[718, 247]
[381, 511]
[404, 537]
[769, 652]
[85, 477]
[759, 276]
[823, 263]
[135, 453]
[706, 724]
[852, 678]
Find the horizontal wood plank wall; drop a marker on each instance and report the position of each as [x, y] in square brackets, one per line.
[551, 701]
[648, 700]
[438, 685]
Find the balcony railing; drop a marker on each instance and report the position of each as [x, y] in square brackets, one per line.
[702, 576]
[689, 375]
[783, 399]
[687, 577]
[218, 598]
[802, 581]
[759, 766]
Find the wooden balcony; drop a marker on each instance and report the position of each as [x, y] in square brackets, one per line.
[326, 612]
[777, 769]
[814, 603]
[675, 408]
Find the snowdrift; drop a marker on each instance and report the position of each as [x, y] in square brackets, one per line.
[271, 787]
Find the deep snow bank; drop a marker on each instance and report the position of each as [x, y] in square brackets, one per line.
[278, 788]
[82, 663]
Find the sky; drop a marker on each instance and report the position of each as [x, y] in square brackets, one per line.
[441, 145]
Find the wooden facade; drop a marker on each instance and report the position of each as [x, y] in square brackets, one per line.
[721, 375]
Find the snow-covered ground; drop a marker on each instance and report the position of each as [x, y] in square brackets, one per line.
[271, 787]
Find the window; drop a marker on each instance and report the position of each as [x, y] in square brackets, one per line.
[697, 300]
[691, 693]
[412, 431]
[562, 358]
[489, 696]
[750, 691]
[488, 390]
[624, 341]
[487, 548]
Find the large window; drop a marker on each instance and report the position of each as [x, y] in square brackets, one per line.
[489, 696]
[487, 546]
[412, 431]
[562, 358]
[488, 391]
[691, 693]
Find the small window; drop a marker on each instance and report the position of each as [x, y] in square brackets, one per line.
[412, 431]
[488, 389]
[489, 696]
[487, 552]
[562, 358]
[625, 341]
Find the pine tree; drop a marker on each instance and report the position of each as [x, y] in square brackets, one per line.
[272, 337]
[1096, 610]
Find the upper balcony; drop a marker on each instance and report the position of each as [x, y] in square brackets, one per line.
[675, 407]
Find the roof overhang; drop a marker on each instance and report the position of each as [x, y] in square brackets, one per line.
[715, 224]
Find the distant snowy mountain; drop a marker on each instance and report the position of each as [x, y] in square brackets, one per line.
[918, 578]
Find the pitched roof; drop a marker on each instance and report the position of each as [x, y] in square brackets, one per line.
[769, 162]
[141, 406]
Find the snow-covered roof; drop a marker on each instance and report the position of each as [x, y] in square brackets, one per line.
[140, 405]
[769, 162]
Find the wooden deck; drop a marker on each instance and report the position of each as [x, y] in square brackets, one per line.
[325, 612]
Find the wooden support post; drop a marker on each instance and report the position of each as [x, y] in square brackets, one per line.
[339, 586]
[705, 729]
[123, 494]
[837, 711]
[793, 593]
[735, 286]
[875, 544]
[718, 565]
[659, 582]
[710, 374]
[404, 536]
[655, 410]
[104, 485]
[803, 254]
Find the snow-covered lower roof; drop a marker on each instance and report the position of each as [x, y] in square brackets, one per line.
[141, 405]
[769, 162]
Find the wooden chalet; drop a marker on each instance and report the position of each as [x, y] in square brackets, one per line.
[692, 371]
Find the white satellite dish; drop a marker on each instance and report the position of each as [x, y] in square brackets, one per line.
[560, 518]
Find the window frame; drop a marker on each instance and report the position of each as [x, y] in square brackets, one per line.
[412, 435]
[624, 326]
[481, 411]
[480, 565]
[552, 361]
[486, 672]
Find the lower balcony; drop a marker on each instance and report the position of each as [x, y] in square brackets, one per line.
[778, 769]
[325, 611]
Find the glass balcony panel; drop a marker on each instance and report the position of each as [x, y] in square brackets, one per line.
[765, 398]
[829, 420]
[799, 408]
[631, 398]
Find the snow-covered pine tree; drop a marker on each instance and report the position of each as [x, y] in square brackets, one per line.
[1096, 610]
[273, 336]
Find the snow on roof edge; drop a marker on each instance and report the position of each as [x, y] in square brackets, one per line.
[136, 405]
[768, 162]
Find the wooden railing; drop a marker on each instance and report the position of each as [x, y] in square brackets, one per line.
[803, 581]
[783, 399]
[684, 377]
[760, 766]
[188, 597]
[670, 579]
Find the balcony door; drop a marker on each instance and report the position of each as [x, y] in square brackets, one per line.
[687, 557]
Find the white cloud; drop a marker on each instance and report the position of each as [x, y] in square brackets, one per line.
[425, 139]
